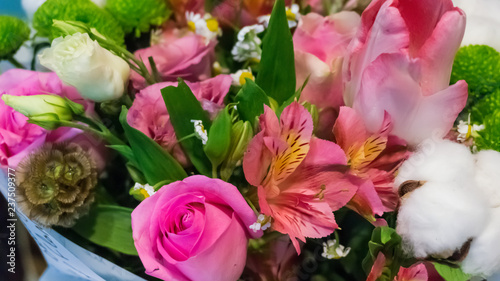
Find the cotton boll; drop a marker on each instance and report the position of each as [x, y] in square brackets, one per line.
[484, 254]
[488, 175]
[442, 161]
[438, 218]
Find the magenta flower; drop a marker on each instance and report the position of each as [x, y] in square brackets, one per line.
[149, 114]
[294, 174]
[191, 225]
[373, 158]
[177, 54]
[19, 138]
[400, 63]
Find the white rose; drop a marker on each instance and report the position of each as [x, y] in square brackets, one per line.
[98, 74]
[482, 22]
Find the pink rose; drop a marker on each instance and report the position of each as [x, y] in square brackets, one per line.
[195, 229]
[18, 137]
[149, 115]
[178, 54]
[400, 63]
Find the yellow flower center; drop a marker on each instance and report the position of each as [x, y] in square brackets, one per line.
[191, 26]
[290, 15]
[144, 193]
[246, 75]
[212, 25]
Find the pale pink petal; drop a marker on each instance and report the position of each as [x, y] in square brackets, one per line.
[366, 201]
[377, 267]
[257, 160]
[437, 55]
[349, 129]
[416, 272]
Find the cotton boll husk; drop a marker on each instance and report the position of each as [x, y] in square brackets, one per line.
[488, 175]
[441, 161]
[438, 218]
[484, 254]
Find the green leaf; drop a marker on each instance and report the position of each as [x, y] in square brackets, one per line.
[277, 67]
[251, 99]
[294, 97]
[108, 226]
[386, 240]
[154, 162]
[126, 151]
[184, 108]
[13, 33]
[450, 273]
[219, 138]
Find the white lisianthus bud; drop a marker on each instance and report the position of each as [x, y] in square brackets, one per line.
[44, 105]
[98, 74]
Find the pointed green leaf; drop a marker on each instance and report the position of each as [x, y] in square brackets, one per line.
[184, 109]
[108, 226]
[450, 273]
[277, 67]
[154, 162]
[219, 138]
[251, 99]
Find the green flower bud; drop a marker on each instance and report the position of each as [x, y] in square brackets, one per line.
[219, 138]
[13, 33]
[241, 134]
[313, 110]
[44, 109]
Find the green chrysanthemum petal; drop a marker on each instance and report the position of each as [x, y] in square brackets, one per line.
[489, 137]
[13, 33]
[485, 107]
[138, 15]
[76, 10]
[479, 66]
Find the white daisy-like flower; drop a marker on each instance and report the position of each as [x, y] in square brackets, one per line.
[206, 26]
[292, 15]
[333, 250]
[263, 222]
[466, 129]
[200, 131]
[248, 45]
[145, 189]
[240, 75]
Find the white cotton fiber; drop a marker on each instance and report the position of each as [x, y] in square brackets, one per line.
[438, 218]
[488, 175]
[442, 161]
[484, 254]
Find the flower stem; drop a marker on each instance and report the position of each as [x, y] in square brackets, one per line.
[15, 63]
[106, 135]
[214, 171]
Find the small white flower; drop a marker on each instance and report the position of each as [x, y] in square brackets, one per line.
[206, 26]
[292, 14]
[467, 130]
[200, 131]
[240, 75]
[248, 45]
[263, 222]
[333, 250]
[146, 188]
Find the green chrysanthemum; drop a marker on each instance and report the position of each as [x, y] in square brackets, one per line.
[13, 33]
[479, 66]
[485, 107]
[489, 137]
[138, 15]
[76, 10]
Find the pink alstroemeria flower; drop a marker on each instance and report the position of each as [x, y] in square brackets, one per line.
[400, 63]
[293, 172]
[373, 158]
[416, 272]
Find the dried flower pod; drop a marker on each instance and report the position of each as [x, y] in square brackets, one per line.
[56, 184]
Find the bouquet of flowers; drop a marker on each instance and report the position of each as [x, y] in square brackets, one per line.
[254, 140]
